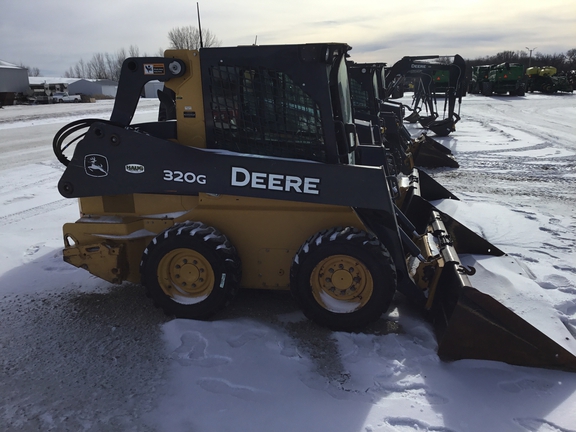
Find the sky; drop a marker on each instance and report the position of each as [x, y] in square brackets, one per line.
[55, 35]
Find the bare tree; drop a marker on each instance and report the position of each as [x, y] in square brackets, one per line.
[133, 51]
[80, 70]
[101, 65]
[115, 64]
[562, 62]
[507, 56]
[97, 67]
[556, 60]
[571, 58]
[108, 66]
[32, 71]
[188, 37]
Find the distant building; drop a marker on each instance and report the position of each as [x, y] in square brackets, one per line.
[83, 86]
[13, 80]
[93, 87]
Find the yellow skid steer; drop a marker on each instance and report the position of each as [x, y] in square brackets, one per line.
[261, 182]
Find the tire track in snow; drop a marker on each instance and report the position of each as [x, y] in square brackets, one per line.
[35, 211]
[537, 424]
[10, 188]
[33, 176]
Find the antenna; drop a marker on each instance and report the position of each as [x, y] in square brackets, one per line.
[199, 26]
[256, 40]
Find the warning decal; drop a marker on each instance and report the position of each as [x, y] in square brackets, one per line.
[154, 69]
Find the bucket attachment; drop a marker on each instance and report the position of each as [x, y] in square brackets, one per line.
[442, 127]
[482, 302]
[426, 120]
[413, 117]
[504, 317]
[430, 153]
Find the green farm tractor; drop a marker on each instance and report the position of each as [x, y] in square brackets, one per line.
[479, 77]
[507, 78]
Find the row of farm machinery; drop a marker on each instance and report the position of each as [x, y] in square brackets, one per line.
[512, 79]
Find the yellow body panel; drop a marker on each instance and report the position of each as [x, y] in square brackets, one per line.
[139, 205]
[189, 104]
[266, 233]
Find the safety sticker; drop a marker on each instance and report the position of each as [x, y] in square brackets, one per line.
[154, 69]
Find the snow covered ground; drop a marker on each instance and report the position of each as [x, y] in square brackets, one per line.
[79, 354]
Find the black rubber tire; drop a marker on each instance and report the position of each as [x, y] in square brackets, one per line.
[217, 254]
[487, 88]
[354, 244]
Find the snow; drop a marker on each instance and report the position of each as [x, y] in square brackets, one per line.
[77, 353]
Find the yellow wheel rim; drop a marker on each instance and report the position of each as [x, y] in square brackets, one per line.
[341, 284]
[186, 276]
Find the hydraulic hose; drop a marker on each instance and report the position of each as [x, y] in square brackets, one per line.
[59, 145]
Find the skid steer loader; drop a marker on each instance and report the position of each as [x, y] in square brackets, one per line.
[386, 117]
[260, 182]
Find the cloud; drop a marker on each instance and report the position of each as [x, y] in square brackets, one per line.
[64, 31]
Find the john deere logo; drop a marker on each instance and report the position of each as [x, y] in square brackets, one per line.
[134, 168]
[96, 165]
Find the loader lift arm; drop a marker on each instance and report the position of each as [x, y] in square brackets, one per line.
[135, 72]
[415, 65]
